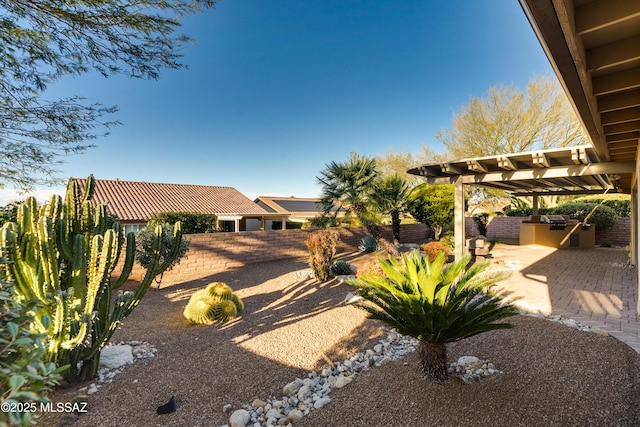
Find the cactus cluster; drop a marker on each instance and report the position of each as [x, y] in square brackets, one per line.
[62, 255]
[215, 303]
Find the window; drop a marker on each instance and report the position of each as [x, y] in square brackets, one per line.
[128, 228]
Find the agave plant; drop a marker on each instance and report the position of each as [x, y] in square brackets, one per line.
[434, 304]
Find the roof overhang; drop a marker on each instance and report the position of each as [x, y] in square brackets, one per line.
[594, 48]
[572, 170]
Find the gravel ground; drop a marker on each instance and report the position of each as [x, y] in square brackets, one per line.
[553, 375]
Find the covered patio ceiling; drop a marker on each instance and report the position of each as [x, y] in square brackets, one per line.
[594, 48]
[559, 171]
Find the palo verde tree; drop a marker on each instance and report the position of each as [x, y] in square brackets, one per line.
[434, 304]
[348, 186]
[510, 121]
[63, 256]
[43, 41]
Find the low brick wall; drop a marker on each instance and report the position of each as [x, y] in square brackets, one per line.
[214, 252]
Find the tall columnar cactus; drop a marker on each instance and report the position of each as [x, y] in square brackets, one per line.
[63, 254]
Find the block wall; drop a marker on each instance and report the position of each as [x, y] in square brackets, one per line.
[214, 252]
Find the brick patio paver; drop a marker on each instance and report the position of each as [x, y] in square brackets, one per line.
[594, 287]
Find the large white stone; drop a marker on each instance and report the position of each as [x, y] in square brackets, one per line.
[115, 356]
[321, 402]
[292, 388]
[342, 381]
[239, 418]
[469, 362]
[353, 297]
[304, 392]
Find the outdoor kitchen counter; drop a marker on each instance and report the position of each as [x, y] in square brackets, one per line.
[573, 235]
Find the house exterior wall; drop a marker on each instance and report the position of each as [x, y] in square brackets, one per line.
[214, 252]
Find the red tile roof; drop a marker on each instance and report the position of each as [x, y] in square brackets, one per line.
[139, 201]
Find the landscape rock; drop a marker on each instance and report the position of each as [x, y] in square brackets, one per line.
[469, 363]
[291, 388]
[353, 297]
[115, 356]
[304, 392]
[239, 418]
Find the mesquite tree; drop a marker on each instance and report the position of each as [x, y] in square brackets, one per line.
[63, 254]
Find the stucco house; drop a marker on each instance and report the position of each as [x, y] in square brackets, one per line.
[299, 209]
[136, 202]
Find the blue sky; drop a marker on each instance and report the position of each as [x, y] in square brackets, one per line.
[276, 89]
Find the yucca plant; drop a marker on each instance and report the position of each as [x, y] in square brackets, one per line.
[433, 304]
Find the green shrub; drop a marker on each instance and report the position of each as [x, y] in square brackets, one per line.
[192, 223]
[606, 244]
[24, 376]
[341, 268]
[603, 217]
[215, 303]
[144, 247]
[369, 244]
[433, 249]
[322, 246]
[448, 238]
[620, 203]
[527, 211]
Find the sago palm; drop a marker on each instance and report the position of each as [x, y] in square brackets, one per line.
[433, 304]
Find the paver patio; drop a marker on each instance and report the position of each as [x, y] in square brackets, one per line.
[594, 287]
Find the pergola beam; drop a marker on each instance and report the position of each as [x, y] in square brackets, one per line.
[548, 173]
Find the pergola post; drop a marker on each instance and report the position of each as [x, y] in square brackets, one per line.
[459, 219]
[535, 205]
[633, 254]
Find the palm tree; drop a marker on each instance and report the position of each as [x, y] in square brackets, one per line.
[349, 186]
[390, 197]
[433, 304]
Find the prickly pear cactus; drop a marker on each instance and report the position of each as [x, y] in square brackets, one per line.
[215, 303]
[63, 255]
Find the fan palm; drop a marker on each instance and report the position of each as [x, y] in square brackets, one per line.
[433, 304]
[349, 186]
[391, 196]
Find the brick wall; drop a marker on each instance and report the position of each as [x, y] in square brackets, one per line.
[215, 252]
[507, 229]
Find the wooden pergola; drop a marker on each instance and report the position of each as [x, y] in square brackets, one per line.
[594, 49]
[562, 171]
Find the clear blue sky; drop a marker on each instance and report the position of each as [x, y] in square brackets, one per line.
[276, 89]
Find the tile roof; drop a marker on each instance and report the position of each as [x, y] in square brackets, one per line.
[139, 201]
[298, 207]
[290, 204]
